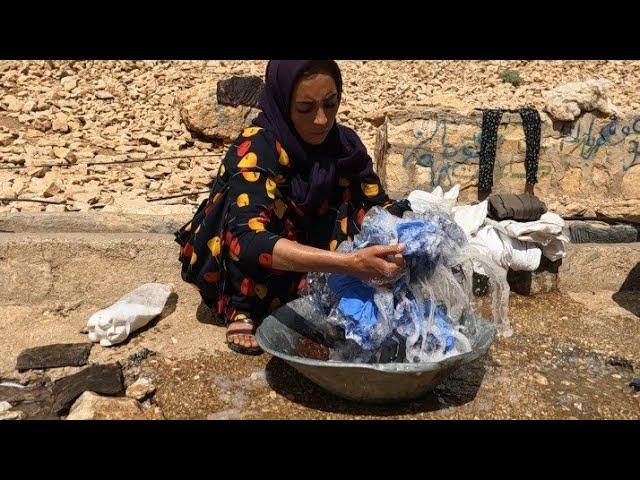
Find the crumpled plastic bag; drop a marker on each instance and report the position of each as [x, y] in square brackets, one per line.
[396, 317]
[131, 312]
[422, 202]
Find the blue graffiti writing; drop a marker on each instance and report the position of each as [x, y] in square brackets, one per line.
[422, 154]
[634, 152]
[591, 144]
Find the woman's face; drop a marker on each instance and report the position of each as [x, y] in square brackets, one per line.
[314, 106]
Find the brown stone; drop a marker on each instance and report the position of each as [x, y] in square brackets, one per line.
[203, 116]
[91, 406]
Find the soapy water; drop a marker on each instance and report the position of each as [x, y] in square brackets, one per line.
[425, 313]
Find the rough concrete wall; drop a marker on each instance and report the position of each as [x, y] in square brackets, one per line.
[589, 166]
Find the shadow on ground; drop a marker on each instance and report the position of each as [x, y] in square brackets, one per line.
[459, 388]
[205, 315]
[628, 297]
[169, 308]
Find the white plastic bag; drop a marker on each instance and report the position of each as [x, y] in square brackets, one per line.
[470, 217]
[422, 201]
[134, 310]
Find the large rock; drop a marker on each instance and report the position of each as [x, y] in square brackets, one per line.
[566, 102]
[104, 379]
[91, 406]
[590, 232]
[205, 117]
[623, 209]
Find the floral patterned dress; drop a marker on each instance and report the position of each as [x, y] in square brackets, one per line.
[226, 249]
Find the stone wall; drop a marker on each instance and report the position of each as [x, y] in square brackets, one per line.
[589, 166]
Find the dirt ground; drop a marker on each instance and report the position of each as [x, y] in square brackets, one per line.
[566, 360]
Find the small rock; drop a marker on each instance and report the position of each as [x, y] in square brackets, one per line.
[141, 388]
[273, 394]
[616, 376]
[28, 106]
[103, 95]
[105, 379]
[173, 340]
[60, 152]
[13, 104]
[61, 123]
[148, 139]
[541, 379]
[635, 383]
[7, 139]
[42, 124]
[4, 406]
[91, 406]
[69, 83]
[12, 415]
[53, 189]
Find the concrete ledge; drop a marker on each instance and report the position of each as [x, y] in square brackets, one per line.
[93, 222]
[60, 266]
[36, 265]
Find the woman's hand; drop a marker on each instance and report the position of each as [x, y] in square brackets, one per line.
[379, 264]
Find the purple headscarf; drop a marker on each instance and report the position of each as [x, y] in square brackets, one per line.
[316, 167]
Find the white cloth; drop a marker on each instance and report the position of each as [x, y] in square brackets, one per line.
[470, 217]
[506, 251]
[547, 232]
[133, 311]
[422, 202]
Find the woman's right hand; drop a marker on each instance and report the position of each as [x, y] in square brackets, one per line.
[379, 264]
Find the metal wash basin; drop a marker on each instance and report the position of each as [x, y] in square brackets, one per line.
[280, 333]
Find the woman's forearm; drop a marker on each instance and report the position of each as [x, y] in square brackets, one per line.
[295, 257]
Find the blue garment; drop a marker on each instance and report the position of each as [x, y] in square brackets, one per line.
[418, 237]
[356, 304]
[443, 324]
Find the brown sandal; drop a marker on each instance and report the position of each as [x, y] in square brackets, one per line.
[239, 348]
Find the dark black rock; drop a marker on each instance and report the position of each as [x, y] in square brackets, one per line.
[236, 91]
[584, 232]
[52, 356]
[101, 379]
